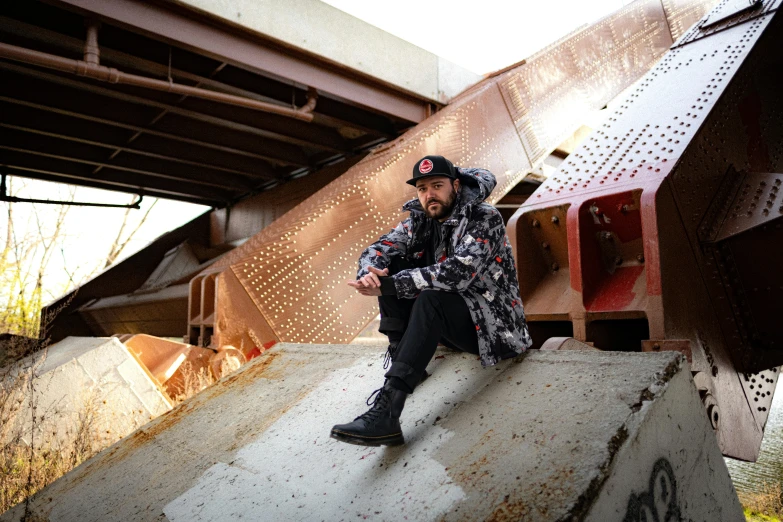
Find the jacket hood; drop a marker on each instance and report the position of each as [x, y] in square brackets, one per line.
[475, 186]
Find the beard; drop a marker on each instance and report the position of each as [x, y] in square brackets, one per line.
[443, 209]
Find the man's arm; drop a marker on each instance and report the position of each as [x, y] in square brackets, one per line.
[380, 253]
[456, 272]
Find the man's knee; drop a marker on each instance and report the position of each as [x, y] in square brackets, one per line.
[427, 300]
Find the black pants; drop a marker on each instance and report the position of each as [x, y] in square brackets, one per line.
[417, 325]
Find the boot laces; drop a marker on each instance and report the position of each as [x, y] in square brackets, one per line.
[378, 402]
[387, 358]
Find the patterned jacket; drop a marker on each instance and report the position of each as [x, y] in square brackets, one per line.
[478, 264]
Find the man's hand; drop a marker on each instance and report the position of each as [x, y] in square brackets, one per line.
[370, 285]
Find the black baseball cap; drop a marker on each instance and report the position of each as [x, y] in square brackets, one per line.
[429, 166]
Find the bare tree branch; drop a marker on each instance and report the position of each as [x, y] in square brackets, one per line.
[119, 244]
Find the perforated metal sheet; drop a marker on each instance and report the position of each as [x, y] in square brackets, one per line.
[297, 274]
[295, 270]
[682, 14]
[759, 389]
[582, 73]
[698, 136]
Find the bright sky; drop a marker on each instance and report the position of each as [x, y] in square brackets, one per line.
[480, 36]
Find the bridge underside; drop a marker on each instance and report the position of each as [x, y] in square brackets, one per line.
[660, 232]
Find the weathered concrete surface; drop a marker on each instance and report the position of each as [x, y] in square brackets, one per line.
[558, 435]
[319, 28]
[86, 378]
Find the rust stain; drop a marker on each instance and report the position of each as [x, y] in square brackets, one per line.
[510, 510]
[124, 447]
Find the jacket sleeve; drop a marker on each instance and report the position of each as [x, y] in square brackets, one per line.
[380, 253]
[455, 273]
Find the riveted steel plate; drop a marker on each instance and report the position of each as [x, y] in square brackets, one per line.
[295, 270]
[727, 14]
[700, 136]
[759, 389]
[583, 71]
[682, 14]
[299, 266]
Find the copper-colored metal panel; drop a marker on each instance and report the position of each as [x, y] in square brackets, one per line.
[682, 14]
[699, 141]
[557, 88]
[298, 268]
[295, 270]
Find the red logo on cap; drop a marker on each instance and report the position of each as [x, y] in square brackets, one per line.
[425, 166]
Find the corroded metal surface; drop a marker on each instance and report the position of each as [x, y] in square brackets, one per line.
[666, 223]
[295, 270]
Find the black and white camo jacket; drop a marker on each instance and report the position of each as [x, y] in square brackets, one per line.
[478, 264]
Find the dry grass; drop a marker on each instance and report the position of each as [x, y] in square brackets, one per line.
[764, 504]
[28, 464]
[193, 381]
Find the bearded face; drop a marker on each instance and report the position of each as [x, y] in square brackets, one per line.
[437, 196]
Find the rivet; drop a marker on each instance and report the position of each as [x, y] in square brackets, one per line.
[656, 347]
[640, 258]
[555, 267]
[618, 260]
[555, 220]
[536, 224]
[545, 245]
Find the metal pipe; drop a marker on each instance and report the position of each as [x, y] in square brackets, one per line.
[92, 53]
[111, 75]
[13, 199]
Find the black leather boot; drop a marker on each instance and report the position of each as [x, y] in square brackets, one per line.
[380, 425]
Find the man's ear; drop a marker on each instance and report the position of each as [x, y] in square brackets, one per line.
[456, 185]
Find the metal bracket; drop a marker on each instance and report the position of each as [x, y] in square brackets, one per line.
[13, 199]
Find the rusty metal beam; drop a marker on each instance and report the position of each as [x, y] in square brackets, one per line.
[249, 50]
[666, 224]
[82, 181]
[90, 68]
[162, 141]
[52, 147]
[129, 150]
[299, 133]
[35, 162]
[281, 153]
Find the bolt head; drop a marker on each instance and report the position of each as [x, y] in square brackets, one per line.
[555, 220]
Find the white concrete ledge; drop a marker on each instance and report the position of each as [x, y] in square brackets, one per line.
[559, 435]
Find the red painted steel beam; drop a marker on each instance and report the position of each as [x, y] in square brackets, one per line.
[251, 51]
[665, 226]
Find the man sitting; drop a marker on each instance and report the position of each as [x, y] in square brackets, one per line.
[445, 274]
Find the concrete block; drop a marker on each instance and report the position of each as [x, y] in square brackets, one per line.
[555, 435]
[326, 31]
[86, 376]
